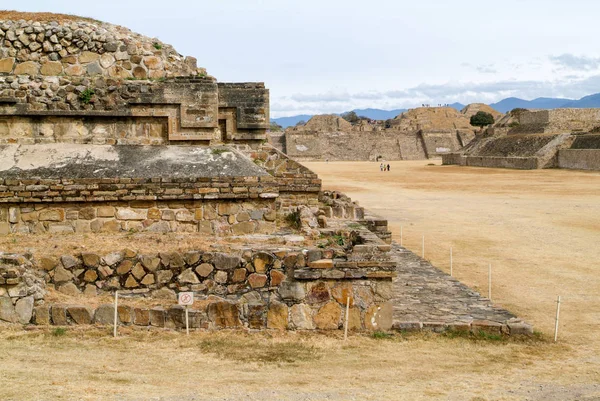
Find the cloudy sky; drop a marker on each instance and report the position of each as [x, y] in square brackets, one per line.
[321, 56]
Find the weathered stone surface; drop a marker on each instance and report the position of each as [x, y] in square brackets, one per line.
[262, 261]
[204, 269]
[256, 316]
[81, 314]
[90, 276]
[150, 262]
[277, 316]
[293, 291]
[226, 262]
[124, 267]
[69, 289]
[51, 68]
[69, 262]
[42, 315]
[328, 316]
[318, 293]
[59, 314]
[192, 258]
[141, 317]
[90, 259]
[148, 279]
[138, 271]
[27, 68]
[105, 314]
[7, 310]
[379, 317]
[112, 258]
[321, 264]
[354, 320]
[277, 278]
[341, 292]
[125, 314]
[301, 317]
[188, 277]
[520, 328]
[221, 277]
[131, 282]
[224, 315]
[239, 275]
[257, 280]
[7, 64]
[48, 263]
[164, 276]
[157, 317]
[165, 293]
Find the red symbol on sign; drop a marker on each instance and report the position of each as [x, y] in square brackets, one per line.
[186, 298]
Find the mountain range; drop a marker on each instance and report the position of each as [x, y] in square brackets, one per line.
[503, 106]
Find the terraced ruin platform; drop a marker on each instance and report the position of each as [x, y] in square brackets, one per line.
[425, 298]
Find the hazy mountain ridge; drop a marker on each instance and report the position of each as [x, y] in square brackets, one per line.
[503, 106]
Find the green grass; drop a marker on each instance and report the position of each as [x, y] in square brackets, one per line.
[219, 151]
[86, 95]
[59, 332]
[381, 335]
[157, 46]
[293, 219]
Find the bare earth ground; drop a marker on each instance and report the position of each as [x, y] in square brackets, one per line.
[539, 229]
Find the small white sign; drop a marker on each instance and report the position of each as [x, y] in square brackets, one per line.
[186, 298]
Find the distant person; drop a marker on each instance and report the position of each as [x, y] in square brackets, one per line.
[388, 167]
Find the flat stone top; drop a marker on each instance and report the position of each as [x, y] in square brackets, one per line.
[75, 161]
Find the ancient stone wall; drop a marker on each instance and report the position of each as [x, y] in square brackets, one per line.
[560, 120]
[76, 48]
[579, 159]
[220, 218]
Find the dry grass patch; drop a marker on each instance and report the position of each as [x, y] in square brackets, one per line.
[42, 17]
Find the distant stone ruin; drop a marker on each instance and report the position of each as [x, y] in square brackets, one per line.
[420, 133]
[533, 139]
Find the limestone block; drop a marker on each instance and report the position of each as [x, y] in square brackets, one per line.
[257, 280]
[107, 60]
[184, 215]
[4, 228]
[226, 209]
[7, 310]
[88, 57]
[379, 317]
[318, 293]
[221, 277]
[224, 315]
[244, 228]
[69, 289]
[165, 293]
[223, 261]
[277, 316]
[262, 261]
[153, 63]
[148, 279]
[141, 317]
[87, 213]
[204, 269]
[328, 317]
[112, 258]
[189, 277]
[7, 64]
[90, 259]
[106, 211]
[125, 314]
[321, 264]
[138, 271]
[157, 317]
[27, 68]
[341, 292]
[164, 276]
[125, 267]
[105, 314]
[293, 291]
[256, 315]
[59, 314]
[192, 258]
[277, 278]
[239, 275]
[205, 227]
[159, 227]
[131, 282]
[74, 70]
[90, 276]
[42, 315]
[61, 275]
[51, 68]
[301, 317]
[150, 262]
[14, 215]
[69, 262]
[354, 320]
[131, 214]
[48, 264]
[81, 314]
[52, 215]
